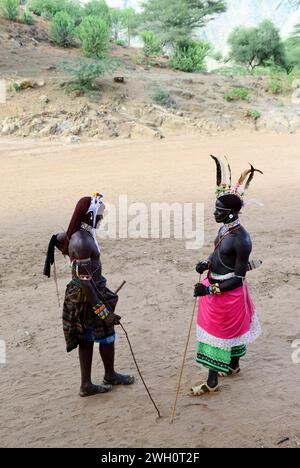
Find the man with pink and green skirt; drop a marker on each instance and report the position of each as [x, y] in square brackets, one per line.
[227, 320]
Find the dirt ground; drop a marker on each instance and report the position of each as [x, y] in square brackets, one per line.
[39, 402]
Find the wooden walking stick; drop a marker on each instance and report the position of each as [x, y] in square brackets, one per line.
[183, 360]
[135, 361]
[56, 284]
[120, 287]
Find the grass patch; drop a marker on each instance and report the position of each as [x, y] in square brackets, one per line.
[27, 18]
[15, 87]
[163, 98]
[232, 71]
[275, 87]
[121, 43]
[253, 114]
[237, 94]
[83, 75]
[140, 60]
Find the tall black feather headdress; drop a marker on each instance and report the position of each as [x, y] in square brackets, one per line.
[224, 179]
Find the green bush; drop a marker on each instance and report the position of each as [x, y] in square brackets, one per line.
[121, 42]
[275, 87]
[10, 9]
[253, 114]
[93, 34]
[152, 45]
[62, 29]
[83, 74]
[27, 18]
[98, 8]
[15, 87]
[40, 7]
[237, 94]
[49, 8]
[218, 56]
[74, 8]
[163, 98]
[189, 56]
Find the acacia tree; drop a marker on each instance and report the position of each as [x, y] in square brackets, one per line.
[116, 18]
[130, 21]
[294, 3]
[254, 47]
[178, 19]
[295, 35]
[98, 8]
[292, 47]
[124, 21]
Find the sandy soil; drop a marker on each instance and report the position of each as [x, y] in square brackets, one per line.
[39, 402]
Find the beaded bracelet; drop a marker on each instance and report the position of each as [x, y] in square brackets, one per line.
[214, 289]
[101, 311]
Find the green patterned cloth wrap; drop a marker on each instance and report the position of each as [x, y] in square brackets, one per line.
[218, 359]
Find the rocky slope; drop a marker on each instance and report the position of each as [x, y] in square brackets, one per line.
[42, 108]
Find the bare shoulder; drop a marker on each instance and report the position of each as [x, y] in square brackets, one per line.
[80, 246]
[61, 237]
[243, 239]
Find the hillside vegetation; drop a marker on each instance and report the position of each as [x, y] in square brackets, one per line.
[126, 92]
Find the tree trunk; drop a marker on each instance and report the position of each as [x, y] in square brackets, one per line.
[129, 37]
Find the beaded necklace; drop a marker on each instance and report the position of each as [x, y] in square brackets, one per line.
[91, 232]
[229, 226]
[225, 231]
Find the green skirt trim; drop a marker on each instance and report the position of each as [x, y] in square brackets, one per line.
[239, 351]
[218, 359]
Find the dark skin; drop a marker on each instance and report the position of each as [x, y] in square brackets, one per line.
[82, 246]
[233, 252]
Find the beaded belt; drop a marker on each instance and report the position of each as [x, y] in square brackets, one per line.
[215, 276]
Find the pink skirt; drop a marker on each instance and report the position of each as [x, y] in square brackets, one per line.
[227, 315]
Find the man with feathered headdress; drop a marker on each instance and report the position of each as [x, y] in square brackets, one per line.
[89, 307]
[227, 320]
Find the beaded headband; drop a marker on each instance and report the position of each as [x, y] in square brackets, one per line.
[96, 204]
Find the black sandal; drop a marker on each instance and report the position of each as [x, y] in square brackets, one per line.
[95, 390]
[120, 380]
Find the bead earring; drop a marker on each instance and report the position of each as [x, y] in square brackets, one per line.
[231, 216]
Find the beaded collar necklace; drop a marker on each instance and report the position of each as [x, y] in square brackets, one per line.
[229, 226]
[89, 229]
[91, 232]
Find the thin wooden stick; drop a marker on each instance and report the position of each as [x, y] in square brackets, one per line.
[183, 361]
[120, 287]
[56, 284]
[138, 369]
[134, 358]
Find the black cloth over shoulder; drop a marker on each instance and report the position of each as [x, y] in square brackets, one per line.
[50, 256]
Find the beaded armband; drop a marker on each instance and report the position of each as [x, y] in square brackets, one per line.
[101, 311]
[214, 289]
